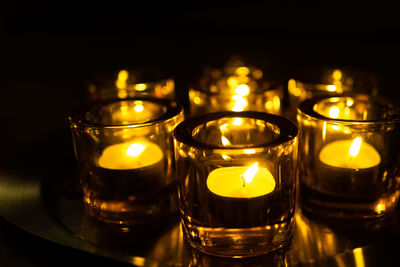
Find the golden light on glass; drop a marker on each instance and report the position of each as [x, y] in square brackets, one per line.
[343, 165]
[238, 185]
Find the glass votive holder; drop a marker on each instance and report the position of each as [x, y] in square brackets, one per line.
[236, 181]
[237, 87]
[124, 152]
[349, 156]
[128, 83]
[330, 82]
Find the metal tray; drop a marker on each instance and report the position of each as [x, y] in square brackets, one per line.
[43, 197]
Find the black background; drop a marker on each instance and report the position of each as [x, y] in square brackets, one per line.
[49, 50]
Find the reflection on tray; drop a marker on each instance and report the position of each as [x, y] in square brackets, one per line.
[315, 239]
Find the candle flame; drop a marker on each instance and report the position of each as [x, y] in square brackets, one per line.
[331, 88]
[250, 173]
[135, 149]
[242, 90]
[139, 108]
[141, 87]
[120, 83]
[334, 112]
[355, 147]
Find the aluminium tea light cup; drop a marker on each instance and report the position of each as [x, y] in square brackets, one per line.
[124, 152]
[236, 182]
[348, 156]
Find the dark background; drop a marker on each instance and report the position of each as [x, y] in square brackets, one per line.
[49, 50]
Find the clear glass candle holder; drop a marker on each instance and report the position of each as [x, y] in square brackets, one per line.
[236, 173]
[124, 151]
[128, 83]
[349, 156]
[329, 82]
[237, 87]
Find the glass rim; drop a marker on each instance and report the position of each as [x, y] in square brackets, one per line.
[307, 108]
[183, 132]
[275, 86]
[173, 109]
[320, 86]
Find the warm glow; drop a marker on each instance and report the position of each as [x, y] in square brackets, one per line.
[232, 81]
[140, 87]
[132, 155]
[223, 127]
[123, 75]
[242, 71]
[225, 141]
[334, 112]
[241, 181]
[135, 149]
[242, 90]
[239, 104]
[337, 75]
[250, 151]
[139, 108]
[380, 208]
[197, 100]
[120, 83]
[349, 102]
[226, 157]
[237, 122]
[257, 74]
[355, 147]
[250, 173]
[331, 88]
[350, 154]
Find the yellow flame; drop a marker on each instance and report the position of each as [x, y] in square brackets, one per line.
[123, 75]
[120, 83]
[380, 208]
[141, 87]
[242, 90]
[331, 88]
[239, 104]
[350, 102]
[334, 112]
[250, 173]
[355, 147]
[225, 141]
[139, 108]
[135, 149]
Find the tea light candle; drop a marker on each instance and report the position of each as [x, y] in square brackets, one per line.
[132, 155]
[350, 154]
[237, 194]
[241, 182]
[349, 167]
[136, 166]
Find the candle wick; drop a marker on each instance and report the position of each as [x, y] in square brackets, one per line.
[243, 181]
